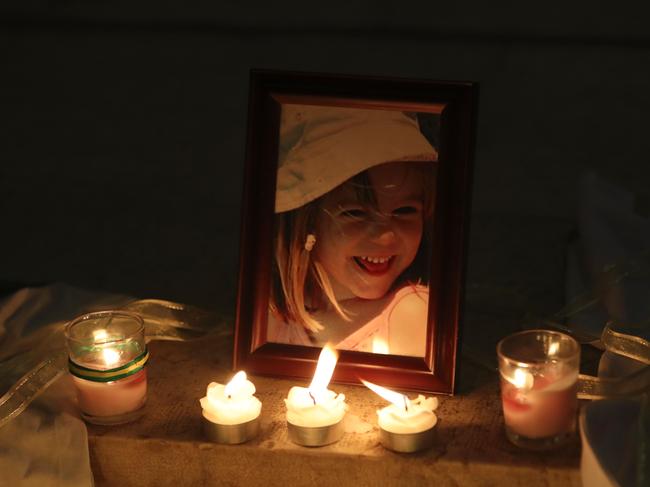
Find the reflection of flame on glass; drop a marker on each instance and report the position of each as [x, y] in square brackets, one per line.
[553, 348]
[379, 345]
[100, 335]
[522, 379]
[324, 370]
[109, 355]
[399, 400]
[235, 384]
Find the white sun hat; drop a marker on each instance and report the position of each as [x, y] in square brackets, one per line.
[321, 147]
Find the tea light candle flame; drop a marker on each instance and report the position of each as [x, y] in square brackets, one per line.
[236, 384]
[399, 400]
[324, 370]
[316, 405]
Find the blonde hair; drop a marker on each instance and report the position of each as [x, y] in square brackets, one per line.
[299, 283]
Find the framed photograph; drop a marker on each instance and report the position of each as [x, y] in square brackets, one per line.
[354, 225]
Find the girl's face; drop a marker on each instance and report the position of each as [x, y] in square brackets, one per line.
[365, 247]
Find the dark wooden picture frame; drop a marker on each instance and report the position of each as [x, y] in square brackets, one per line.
[456, 102]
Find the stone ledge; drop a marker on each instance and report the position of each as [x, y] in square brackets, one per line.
[166, 446]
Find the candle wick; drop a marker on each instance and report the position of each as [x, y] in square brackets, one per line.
[229, 396]
[312, 397]
[406, 404]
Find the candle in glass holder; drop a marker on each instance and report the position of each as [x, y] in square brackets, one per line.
[107, 358]
[539, 373]
[315, 413]
[231, 412]
[406, 425]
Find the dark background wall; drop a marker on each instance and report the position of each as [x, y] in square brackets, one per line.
[123, 123]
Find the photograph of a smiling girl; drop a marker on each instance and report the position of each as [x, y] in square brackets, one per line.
[353, 210]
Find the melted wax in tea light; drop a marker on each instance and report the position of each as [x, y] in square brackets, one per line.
[107, 362]
[406, 426]
[315, 414]
[231, 412]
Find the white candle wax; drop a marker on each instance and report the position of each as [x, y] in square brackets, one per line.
[112, 398]
[233, 403]
[308, 409]
[417, 418]
[404, 416]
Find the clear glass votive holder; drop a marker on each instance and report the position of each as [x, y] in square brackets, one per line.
[107, 358]
[539, 373]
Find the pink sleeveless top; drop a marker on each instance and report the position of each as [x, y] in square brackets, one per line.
[372, 337]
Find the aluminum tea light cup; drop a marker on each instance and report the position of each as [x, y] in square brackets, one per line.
[315, 436]
[407, 442]
[231, 434]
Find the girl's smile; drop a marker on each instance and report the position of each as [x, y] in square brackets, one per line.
[374, 265]
[365, 245]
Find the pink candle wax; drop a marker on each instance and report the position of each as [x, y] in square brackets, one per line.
[108, 353]
[546, 409]
[112, 398]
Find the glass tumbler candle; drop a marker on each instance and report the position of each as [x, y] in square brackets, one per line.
[107, 358]
[539, 373]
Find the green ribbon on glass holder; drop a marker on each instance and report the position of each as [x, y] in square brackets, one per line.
[109, 375]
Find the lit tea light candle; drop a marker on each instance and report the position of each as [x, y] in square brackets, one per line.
[315, 413]
[107, 362]
[539, 374]
[406, 425]
[231, 412]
